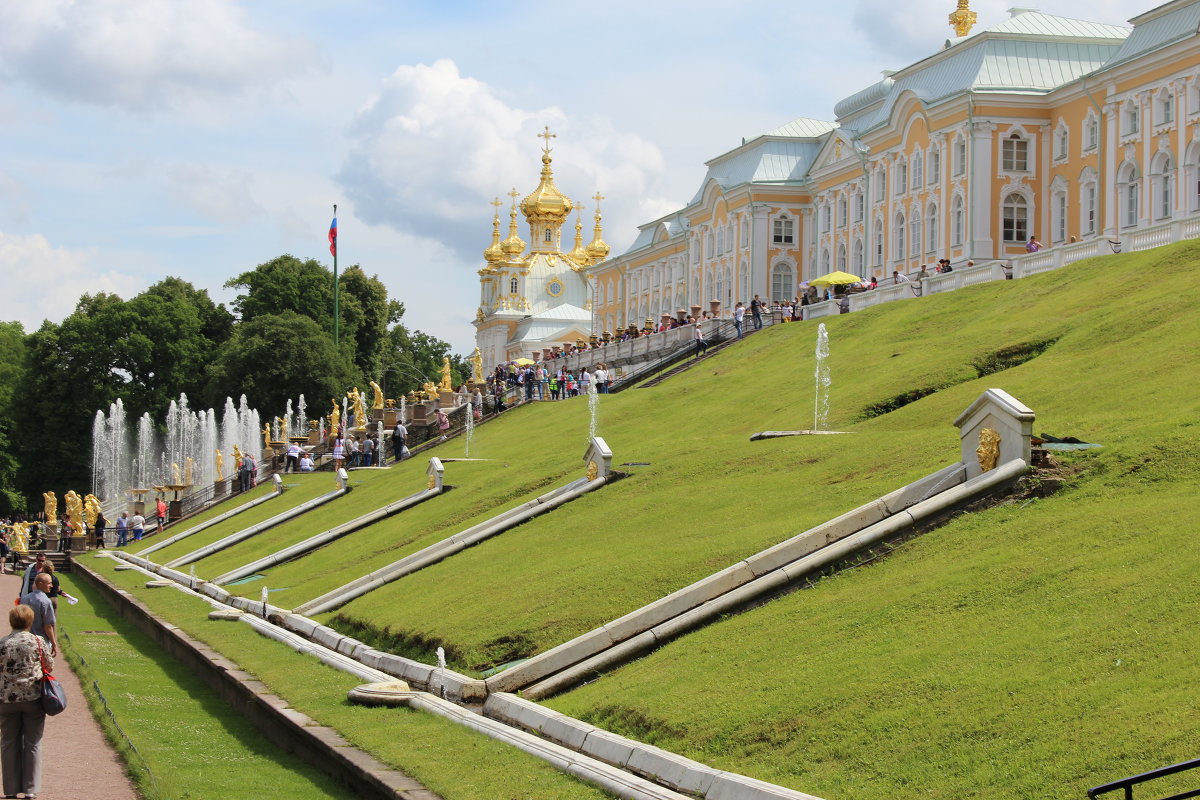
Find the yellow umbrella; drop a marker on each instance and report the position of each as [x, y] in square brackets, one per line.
[523, 362]
[838, 278]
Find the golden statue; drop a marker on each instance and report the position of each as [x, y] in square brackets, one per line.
[378, 401]
[360, 409]
[189, 466]
[335, 416]
[220, 464]
[477, 366]
[175, 474]
[445, 384]
[430, 389]
[91, 509]
[19, 540]
[50, 507]
[237, 457]
[266, 436]
[74, 511]
[284, 428]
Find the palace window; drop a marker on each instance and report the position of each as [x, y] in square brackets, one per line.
[728, 237]
[825, 260]
[826, 213]
[1087, 206]
[901, 237]
[548, 235]
[1091, 133]
[782, 233]
[935, 164]
[745, 232]
[512, 286]
[841, 262]
[1127, 194]
[1058, 216]
[918, 170]
[1062, 139]
[931, 225]
[957, 222]
[1165, 109]
[901, 175]
[1015, 219]
[1193, 177]
[1162, 186]
[914, 230]
[859, 206]
[842, 213]
[960, 155]
[1131, 119]
[880, 184]
[783, 282]
[857, 257]
[878, 239]
[1015, 154]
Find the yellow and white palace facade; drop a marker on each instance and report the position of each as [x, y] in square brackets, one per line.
[1037, 126]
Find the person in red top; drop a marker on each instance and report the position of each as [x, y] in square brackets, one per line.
[160, 513]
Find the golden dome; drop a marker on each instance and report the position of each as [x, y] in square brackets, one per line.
[514, 245]
[546, 203]
[578, 254]
[598, 250]
[493, 253]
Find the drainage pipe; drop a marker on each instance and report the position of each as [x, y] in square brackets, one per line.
[979, 486]
[215, 520]
[451, 545]
[325, 537]
[246, 533]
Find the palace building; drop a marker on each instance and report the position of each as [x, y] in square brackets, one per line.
[530, 301]
[1039, 125]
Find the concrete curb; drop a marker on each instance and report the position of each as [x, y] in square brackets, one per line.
[215, 520]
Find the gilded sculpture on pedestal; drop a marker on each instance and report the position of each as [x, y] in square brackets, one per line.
[377, 403]
[220, 464]
[74, 505]
[91, 509]
[360, 409]
[50, 507]
[335, 416]
[445, 385]
[477, 366]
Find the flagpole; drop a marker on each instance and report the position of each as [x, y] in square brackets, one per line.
[336, 314]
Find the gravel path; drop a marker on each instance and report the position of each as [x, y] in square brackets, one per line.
[77, 760]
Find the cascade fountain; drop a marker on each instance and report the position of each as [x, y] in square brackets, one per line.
[593, 407]
[821, 374]
[469, 428]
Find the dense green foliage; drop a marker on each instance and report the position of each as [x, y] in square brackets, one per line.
[173, 339]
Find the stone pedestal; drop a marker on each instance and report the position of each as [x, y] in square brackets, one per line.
[389, 417]
[446, 399]
[715, 307]
[220, 488]
[174, 509]
[418, 412]
[314, 437]
[51, 542]
[139, 507]
[78, 544]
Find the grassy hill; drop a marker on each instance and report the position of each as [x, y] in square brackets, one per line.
[1029, 650]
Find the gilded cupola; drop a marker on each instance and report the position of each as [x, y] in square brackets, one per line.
[598, 250]
[514, 245]
[493, 254]
[578, 253]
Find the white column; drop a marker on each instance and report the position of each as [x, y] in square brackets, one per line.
[1112, 143]
[979, 191]
[1145, 103]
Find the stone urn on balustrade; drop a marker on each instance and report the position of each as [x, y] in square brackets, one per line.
[715, 307]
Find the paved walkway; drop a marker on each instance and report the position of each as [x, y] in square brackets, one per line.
[77, 760]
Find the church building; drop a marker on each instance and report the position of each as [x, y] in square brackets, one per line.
[530, 301]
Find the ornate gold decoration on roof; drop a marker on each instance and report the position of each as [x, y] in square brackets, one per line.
[546, 203]
[493, 253]
[598, 250]
[514, 245]
[962, 18]
[578, 254]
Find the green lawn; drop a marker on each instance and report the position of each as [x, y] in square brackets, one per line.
[453, 761]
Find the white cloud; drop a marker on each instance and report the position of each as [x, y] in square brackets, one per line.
[49, 279]
[224, 196]
[432, 148]
[141, 54]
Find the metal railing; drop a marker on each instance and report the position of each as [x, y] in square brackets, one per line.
[1126, 785]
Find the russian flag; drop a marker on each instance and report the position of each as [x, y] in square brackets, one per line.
[333, 238]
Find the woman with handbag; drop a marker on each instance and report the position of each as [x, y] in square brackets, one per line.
[23, 662]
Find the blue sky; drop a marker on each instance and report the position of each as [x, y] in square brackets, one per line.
[199, 138]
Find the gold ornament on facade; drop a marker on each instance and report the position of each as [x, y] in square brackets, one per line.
[988, 451]
[593, 470]
[962, 19]
[431, 483]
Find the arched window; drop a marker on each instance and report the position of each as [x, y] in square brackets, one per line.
[783, 282]
[1127, 194]
[935, 164]
[1193, 177]
[841, 215]
[548, 235]
[841, 264]
[858, 258]
[512, 286]
[1015, 219]
[1062, 141]
[858, 206]
[877, 238]
[720, 240]
[1058, 211]
[1131, 118]
[1162, 186]
[825, 217]
[1164, 105]
[1087, 202]
[720, 293]
[918, 169]
[1091, 132]
[880, 183]
[914, 232]
[901, 238]
[958, 222]
[901, 175]
[825, 261]
[728, 288]
[932, 240]
[960, 155]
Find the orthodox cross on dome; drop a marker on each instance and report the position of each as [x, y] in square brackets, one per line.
[598, 197]
[547, 135]
[514, 194]
[497, 203]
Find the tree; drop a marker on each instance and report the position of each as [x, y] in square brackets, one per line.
[274, 357]
[12, 366]
[414, 357]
